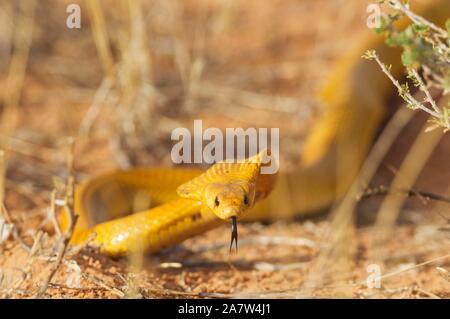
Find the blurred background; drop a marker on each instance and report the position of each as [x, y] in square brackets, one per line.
[136, 70]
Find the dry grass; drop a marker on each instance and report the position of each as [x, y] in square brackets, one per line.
[133, 72]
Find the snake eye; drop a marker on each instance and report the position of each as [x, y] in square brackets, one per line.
[216, 201]
[245, 199]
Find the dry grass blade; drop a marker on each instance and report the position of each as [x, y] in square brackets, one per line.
[412, 165]
[17, 67]
[65, 237]
[384, 190]
[100, 34]
[343, 214]
[444, 273]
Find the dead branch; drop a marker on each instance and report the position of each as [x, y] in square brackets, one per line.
[385, 190]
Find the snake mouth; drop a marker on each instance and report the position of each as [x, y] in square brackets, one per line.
[234, 233]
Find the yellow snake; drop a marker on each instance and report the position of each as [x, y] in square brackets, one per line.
[355, 95]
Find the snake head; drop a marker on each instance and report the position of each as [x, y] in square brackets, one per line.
[229, 199]
[228, 189]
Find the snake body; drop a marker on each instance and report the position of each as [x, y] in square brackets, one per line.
[355, 95]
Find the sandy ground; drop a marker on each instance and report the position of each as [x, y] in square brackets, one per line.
[288, 56]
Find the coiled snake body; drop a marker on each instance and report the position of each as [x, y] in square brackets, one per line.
[355, 95]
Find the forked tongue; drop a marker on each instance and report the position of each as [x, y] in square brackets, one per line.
[234, 233]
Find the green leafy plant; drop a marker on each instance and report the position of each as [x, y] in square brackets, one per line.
[425, 56]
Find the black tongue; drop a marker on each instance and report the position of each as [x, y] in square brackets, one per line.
[234, 233]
